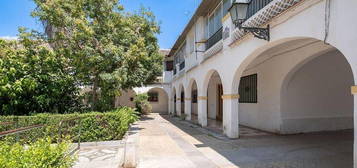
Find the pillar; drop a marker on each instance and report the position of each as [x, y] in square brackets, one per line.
[171, 105]
[202, 110]
[354, 93]
[188, 104]
[230, 115]
[178, 106]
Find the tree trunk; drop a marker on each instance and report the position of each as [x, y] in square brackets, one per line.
[94, 93]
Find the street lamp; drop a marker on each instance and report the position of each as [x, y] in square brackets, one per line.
[238, 12]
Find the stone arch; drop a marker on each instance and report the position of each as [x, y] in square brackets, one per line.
[206, 81]
[181, 99]
[328, 105]
[213, 91]
[253, 55]
[282, 47]
[191, 94]
[173, 101]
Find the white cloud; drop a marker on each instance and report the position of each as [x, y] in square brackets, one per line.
[9, 37]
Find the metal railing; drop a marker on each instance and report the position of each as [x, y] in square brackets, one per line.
[64, 128]
[216, 37]
[175, 71]
[182, 65]
[19, 130]
[63, 131]
[255, 6]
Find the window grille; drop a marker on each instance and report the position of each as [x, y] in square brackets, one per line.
[248, 89]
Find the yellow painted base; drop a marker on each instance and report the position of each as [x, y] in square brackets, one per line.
[230, 96]
[202, 98]
[354, 90]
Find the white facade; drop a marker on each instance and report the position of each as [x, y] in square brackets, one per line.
[304, 73]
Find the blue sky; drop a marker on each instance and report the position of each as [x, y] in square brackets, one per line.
[172, 14]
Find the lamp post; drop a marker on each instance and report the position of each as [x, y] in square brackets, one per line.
[238, 12]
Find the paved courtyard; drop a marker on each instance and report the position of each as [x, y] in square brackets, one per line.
[168, 142]
[101, 155]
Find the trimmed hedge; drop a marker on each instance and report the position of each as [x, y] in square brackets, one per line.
[94, 126]
[39, 154]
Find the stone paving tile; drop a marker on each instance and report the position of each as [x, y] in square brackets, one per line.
[105, 156]
[258, 149]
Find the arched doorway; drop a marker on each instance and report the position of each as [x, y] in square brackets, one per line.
[315, 95]
[182, 99]
[194, 103]
[303, 86]
[158, 100]
[215, 102]
[174, 99]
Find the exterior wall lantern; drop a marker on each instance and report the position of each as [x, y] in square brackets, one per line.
[238, 12]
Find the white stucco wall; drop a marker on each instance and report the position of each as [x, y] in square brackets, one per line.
[212, 95]
[125, 99]
[318, 97]
[162, 105]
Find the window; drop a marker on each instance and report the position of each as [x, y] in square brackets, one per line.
[169, 65]
[248, 89]
[226, 5]
[179, 56]
[194, 96]
[215, 21]
[153, 97]
[191, 43]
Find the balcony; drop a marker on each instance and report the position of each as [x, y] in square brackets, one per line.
[255, 6]
[175, 71]
[216, 37]
[259, 12]
[182, 65]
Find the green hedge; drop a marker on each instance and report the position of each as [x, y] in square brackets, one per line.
[40, 154]
[94, 126]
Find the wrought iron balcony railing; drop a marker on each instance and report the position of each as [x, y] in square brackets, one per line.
[175, 71]
[216, 37]
[255, 6]
[182, 65]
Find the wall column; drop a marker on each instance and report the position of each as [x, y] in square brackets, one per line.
[230, 115]
[354, 93]
[178, 106]
[188, 104]
[202, 110]
[172, 105]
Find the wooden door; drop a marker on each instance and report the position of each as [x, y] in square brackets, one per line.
[219, 115]
[175, 104]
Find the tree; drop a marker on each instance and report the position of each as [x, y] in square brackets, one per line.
[109, 50]
[33, 79]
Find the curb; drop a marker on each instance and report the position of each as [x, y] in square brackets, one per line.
[129, 152]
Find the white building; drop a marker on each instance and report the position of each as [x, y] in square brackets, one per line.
[157, 91]
[298, 80]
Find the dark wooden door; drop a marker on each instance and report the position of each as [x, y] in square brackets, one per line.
[220, 103]
[175, 104]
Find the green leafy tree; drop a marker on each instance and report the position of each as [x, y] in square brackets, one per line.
[33, 79]
[109, 49]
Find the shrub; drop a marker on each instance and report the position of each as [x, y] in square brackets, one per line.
[94, 126]
[142, 104]
[39, 154]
